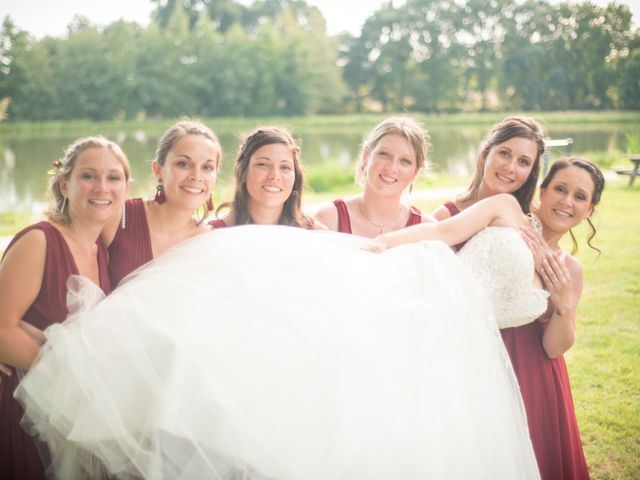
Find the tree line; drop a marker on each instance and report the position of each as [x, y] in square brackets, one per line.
[274, 57]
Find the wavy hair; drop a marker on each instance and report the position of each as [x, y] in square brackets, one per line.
[598, 187]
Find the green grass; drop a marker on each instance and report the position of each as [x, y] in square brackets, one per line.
[12, 222]
[604, 364]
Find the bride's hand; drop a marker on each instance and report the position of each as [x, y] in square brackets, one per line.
[378, 245]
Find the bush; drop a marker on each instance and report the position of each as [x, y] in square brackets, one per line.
[633, 142]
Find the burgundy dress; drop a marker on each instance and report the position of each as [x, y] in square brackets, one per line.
[453, 210]
[19, 458]
[344, 222]
[546, 392]
[131, 246]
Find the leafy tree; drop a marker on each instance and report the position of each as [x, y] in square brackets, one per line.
[27, 76]
[629, 75]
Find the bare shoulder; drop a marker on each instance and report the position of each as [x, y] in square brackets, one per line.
[508, 210]
[30, 246]
[327, 215]
[25, 259]
[506, 200]
[574, 267]
[439, 214]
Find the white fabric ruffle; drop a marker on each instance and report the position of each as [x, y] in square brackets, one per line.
[276, 352]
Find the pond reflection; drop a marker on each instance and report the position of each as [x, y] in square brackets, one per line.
[24, 161]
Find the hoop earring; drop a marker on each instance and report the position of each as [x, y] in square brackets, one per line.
[123, 220]
[63, 206]
[160, 197]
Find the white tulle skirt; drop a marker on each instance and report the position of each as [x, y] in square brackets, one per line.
[275, 352]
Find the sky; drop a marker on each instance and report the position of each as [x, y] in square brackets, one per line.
[46, 17]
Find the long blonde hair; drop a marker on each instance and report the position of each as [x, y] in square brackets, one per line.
[59, 209]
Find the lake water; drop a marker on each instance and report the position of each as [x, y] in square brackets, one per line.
[24, 161]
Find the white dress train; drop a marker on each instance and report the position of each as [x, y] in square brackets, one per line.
[276, 352]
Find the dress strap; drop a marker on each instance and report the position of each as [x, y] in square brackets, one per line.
[415, 216]
[344, 222]
[452, 207]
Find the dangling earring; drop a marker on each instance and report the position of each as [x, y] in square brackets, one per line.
[62, 207]
[160, 198]
[123, 220]
[210, 205]
[411, 187]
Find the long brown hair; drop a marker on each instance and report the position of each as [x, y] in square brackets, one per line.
[292, 208]
[510, 127]
[598, 187]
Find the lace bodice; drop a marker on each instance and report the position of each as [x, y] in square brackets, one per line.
[502, 265]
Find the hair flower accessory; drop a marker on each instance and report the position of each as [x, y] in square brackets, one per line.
[56, 168]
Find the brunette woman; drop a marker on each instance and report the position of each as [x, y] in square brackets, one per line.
[186, 167]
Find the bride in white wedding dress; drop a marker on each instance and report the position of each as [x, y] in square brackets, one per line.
[277, 352]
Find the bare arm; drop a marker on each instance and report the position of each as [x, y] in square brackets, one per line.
[564, 283]
[426, 218]
[562, 278]
[499, 210]
[21, 274]
[318, 226]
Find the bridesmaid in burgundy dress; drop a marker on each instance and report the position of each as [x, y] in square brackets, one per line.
[568, 195]
[186, 166]
[269, 181]
[509, 162]
[390, 159]
[88, 187]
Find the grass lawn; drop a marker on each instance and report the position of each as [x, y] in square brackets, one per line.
[604, 365]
